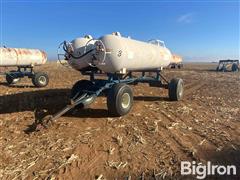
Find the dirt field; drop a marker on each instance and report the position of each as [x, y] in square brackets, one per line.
[149, 142]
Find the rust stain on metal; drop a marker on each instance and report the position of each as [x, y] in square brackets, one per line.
[44, 55]
[176, 58]
[20, 56]
[16, 55]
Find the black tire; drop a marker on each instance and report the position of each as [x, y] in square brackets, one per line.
[175, 89]
[11, 78]
[80, 86]
[235, 67]
[119, 99]
[173, 66]
[224, 69]
[78, 89]
[40, 79]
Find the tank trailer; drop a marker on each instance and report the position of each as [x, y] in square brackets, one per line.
[176, 62]
[24, 60]
[123, 61]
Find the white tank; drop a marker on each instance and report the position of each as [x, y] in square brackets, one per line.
[176, 59]
[22, 57]
[119, 54]
[77, 48]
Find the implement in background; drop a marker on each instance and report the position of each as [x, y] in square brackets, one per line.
[24, 60]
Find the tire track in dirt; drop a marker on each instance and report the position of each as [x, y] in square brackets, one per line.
[81, 169]
[211, 142]
[172, 142]
[198, 133]
[231, 126]
[175, 139]
[196, 86]
[183, 141]
[175, 143]
[193, 87]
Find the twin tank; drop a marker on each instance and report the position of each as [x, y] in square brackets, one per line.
[114, 53]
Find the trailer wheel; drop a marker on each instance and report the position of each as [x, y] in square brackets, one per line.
[119, 99]
[173, 66]
[11, 79]
[175, 89]
[78, 89]
[224, 69]
[235, 67]
[40, 79]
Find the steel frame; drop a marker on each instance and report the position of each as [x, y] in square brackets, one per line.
[114, 78]
[21, 72]
[104, 84]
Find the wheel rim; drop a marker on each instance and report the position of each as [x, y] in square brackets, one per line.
[16, 80]
[125, 100]
[42, 80]
[180, 91]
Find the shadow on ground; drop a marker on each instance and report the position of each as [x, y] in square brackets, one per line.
[17, 85]
[51, 101]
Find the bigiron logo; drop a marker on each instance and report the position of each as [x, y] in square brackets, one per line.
[201, 171]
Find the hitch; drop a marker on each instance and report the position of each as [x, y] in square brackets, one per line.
[48, 120]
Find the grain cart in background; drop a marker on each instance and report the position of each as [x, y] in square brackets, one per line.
[117, 58]
[24, 60]
[228, 65]
[176, 62]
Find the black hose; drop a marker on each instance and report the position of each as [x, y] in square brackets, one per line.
[71, 55]
[65, 46]
[78, 57]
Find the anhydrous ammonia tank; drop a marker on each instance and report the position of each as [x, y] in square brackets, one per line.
[77, 48]
[176, 59]
[119, 54]
[22, 57]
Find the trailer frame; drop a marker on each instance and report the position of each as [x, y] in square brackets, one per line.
[87, 96]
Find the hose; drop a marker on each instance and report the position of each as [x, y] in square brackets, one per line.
[81, 56]
[71, 55]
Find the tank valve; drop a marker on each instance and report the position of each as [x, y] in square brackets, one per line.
[99, 46]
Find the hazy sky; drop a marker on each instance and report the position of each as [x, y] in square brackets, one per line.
[197, 30]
